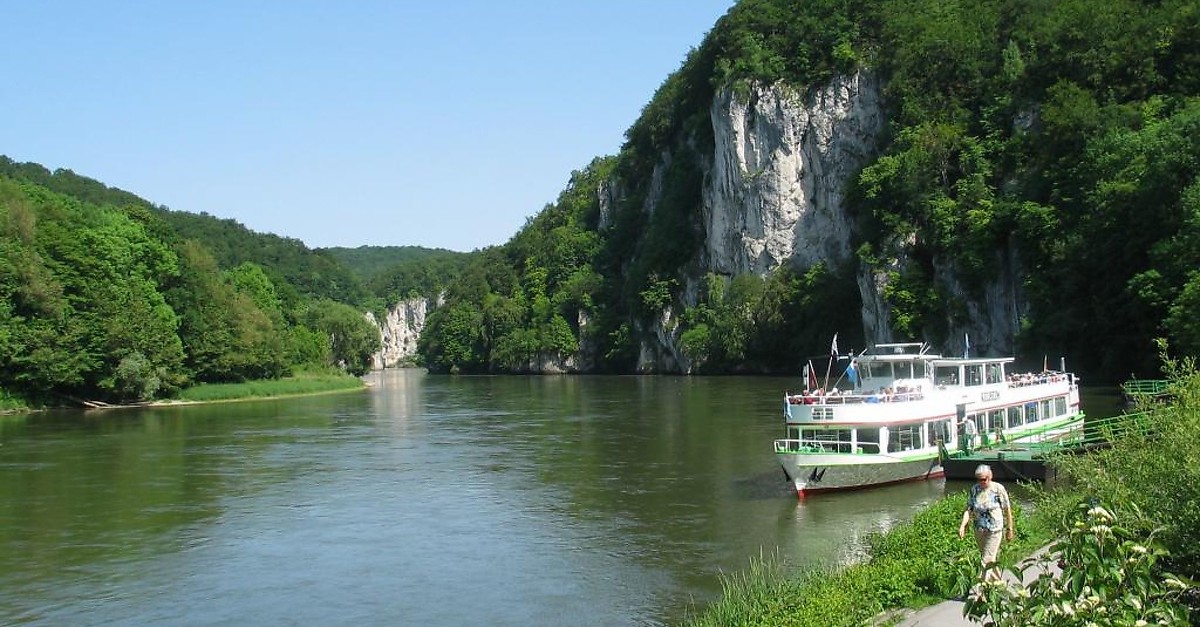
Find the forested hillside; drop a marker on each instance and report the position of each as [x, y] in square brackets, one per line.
[394, 273]
[1060, 138]
[103, 298]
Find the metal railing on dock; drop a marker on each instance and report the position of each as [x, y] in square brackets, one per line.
[1026, 460]
[1135, 390]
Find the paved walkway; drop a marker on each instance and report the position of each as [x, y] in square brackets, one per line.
[950, 613]
[944, 614]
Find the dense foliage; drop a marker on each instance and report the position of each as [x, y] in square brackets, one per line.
[1048, 143]
[1110, 577]
[369, 263]
[1064, 130]
[107, 303]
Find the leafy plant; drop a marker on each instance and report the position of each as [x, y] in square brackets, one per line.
[1110, 576]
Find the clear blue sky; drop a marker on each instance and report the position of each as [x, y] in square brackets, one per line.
[439, 123]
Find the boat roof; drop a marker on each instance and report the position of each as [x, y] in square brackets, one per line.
[918, 351]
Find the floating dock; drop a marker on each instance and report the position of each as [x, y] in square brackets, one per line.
[1007, 465]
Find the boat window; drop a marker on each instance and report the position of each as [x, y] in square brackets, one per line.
[918, 370]
[903, 370]
[938, 430]
[868, 440]
[793, 433]
[831, 440]
[904, 438]
[1031, 412]
[1045, 409]
[974, 374]
[1014, 417]
[946, 375]
[996, 418]
[879, 370]
[995, 373]
[1060, 406]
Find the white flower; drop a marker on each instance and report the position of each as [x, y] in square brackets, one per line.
[1139, 549]
[1100, 530]
[1140, 623]
[1172, 582]
[1101, 513]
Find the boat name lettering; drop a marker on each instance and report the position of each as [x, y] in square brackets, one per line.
[989, 396]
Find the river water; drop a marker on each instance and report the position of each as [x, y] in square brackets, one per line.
[424, 500]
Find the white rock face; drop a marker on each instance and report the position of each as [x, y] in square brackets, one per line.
[399, 332]
[779, 173]
[991, 317]
[775, 192]
[994, 319]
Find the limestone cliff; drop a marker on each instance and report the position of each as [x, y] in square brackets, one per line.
[774, 187]
[774, 193]
[399, 332]
[780, 167]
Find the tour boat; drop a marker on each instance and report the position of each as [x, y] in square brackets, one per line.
[903, 408]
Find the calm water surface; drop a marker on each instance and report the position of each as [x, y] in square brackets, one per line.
[422, 501]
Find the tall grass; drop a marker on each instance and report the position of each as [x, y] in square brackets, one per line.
[10, 403]
[299, 384]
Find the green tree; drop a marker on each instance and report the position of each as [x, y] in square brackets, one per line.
[353, 340]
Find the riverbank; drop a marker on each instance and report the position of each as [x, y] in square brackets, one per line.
[915, 565]
[308, 383]
[300, 384]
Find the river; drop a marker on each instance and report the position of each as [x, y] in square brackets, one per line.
[424, 500]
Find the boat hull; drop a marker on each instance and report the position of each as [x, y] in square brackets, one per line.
[809, 473]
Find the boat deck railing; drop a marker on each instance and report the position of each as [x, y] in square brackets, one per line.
[904, 394]
[809, 445]
[1092, 433]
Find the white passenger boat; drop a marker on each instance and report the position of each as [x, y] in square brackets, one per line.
[902, 407]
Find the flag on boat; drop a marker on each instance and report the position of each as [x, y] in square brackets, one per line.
[810, 376]
[833, 349]
[966, 346]
[852, 373]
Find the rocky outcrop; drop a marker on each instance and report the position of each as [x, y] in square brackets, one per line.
[774, 193]
[399, 332]
[990, 314]
[780, 167]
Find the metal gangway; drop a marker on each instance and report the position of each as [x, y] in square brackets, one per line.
[1026, 459]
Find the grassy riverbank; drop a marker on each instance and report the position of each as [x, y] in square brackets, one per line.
[914, 565]
[302, 383]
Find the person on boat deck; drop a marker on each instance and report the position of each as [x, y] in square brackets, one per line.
[989, 507]
[970, 431]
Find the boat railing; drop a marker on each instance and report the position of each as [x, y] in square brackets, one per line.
[1035, 378]
[849, 399]
[825, 446]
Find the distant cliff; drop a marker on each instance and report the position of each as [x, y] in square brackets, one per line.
[399, 332]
